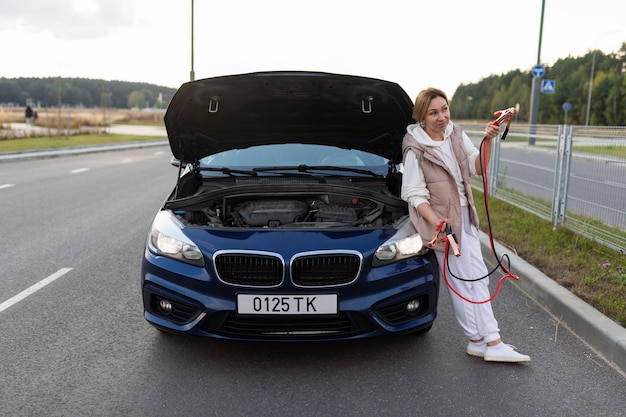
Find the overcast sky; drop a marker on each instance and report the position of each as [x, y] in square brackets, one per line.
[415, 43]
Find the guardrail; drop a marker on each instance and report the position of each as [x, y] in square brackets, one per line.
[573, 176]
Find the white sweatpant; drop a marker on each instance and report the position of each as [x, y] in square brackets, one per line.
[477, 320]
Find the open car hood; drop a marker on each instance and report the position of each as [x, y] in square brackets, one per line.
[237, 111]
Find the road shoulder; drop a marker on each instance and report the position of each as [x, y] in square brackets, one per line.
[595, 329]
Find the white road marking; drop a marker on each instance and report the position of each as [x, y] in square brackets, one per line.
[6, 186]
[34, 288]
[79, 170]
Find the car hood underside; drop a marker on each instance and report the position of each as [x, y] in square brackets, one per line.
[237, 111]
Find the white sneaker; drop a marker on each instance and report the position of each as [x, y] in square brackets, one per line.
[474, 349]
[506, 353]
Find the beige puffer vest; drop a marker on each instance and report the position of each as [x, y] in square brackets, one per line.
[444, 195]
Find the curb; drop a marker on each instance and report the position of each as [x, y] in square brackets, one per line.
[598, 331]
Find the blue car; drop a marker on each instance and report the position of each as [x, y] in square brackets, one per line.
[285, 223]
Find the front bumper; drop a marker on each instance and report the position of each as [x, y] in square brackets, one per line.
[394, 299]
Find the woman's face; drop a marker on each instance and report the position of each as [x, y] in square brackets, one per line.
[437, 117]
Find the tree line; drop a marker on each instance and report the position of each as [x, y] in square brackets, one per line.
[82, 92]
[475, 101]
[572, 77]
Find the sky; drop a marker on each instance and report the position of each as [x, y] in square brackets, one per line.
[415, 43]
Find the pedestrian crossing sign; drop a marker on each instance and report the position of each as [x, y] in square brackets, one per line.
[547, 86]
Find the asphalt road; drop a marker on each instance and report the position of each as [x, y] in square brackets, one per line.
[79, 345]
[596, 188]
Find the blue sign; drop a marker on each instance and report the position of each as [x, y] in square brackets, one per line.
[567, 106]
[538, 71]
[547, 86]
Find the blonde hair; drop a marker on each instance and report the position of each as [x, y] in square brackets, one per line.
[423, 101]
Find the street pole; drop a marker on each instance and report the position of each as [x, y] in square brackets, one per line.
[192, 75]
[593, 66]
[535, 92]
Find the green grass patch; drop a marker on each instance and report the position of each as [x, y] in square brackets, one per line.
[608, 150]
[590, 270]
[25, 144]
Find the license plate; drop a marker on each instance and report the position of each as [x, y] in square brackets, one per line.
[287, 304]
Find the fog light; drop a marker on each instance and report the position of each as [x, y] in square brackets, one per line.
[412, 306]
[165, 306]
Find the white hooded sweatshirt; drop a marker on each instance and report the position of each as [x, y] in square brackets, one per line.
[414, 188]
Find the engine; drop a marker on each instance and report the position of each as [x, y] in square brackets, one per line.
[293, 213]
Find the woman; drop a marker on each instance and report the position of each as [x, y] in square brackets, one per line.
[439, 159]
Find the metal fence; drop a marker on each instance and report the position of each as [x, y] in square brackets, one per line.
[574, 176]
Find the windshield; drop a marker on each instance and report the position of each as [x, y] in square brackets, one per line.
[294, 155]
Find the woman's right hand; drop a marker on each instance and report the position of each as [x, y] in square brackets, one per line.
[441, 222]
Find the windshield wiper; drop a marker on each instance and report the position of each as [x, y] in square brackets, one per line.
[255, 172]
[230, 172]
[309, 168]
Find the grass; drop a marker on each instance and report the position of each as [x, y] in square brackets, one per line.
[24, 144]
[608, 150]
[77, 127]
[71, 117]
[592, 271]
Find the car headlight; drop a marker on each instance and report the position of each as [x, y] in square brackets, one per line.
[167, 239]
[406, 243]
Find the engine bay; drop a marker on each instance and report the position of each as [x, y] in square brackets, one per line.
[287, 202]
[301, 211]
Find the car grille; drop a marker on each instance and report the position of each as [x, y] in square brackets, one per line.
[314, 269]
[343, 324]
[249, 269]
[325, 269]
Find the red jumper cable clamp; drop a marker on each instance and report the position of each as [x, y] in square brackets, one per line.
[502, 116]
[450, 238]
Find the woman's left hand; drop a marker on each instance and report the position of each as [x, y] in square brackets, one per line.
[491, 131]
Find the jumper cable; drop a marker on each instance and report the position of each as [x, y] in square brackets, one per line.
[449, 238]
[501, 117]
